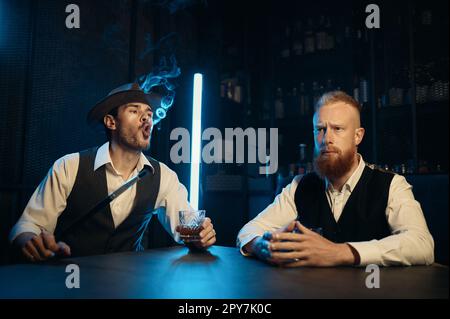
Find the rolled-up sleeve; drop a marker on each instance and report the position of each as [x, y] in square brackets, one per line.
[172, 198]
[49, 199]
[411, 242]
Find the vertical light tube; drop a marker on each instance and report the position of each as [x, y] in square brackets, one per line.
[196, 140]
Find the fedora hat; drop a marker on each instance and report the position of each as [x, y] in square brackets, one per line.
[127, 93]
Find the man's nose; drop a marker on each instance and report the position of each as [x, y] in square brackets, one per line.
[327, 137]
[145, 118]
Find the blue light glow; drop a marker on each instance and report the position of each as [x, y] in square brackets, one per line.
[161, 113]
[196, 140]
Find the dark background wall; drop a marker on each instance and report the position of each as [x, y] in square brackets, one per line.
[50, 76]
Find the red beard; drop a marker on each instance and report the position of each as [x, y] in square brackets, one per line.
[333, 165]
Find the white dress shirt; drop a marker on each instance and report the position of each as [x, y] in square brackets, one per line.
[410, 243]
[50, 198]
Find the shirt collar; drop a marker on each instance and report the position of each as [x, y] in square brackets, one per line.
[350, 184]
[103, 158]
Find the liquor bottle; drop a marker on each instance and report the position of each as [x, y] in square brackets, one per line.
[266, 111]
[297, 46]
[364, 91]
[427, 17]
[292, 170]
[237, 92]
[223, 89]
[288, 102]
[348, 35]
[330, 37]
[230, 90]
[310, 46]
[321, 90]
[279, 104]
[356, 93]
[237, 96]
[316, 92]
[286, 45]
[330, 85]
[302, 100]
[321, 35]
[301, 166]
[359, 35]
[396, 90]
[294, 103]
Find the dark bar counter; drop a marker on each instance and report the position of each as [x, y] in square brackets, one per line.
[222, 272]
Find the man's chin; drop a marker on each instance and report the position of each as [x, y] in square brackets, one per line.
[142, 146]
[332, 165]
[146, 145]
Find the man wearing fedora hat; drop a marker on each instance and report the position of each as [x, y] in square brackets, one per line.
[71, 214]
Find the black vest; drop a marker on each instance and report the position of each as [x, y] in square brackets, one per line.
[364, 215]
[96, 234]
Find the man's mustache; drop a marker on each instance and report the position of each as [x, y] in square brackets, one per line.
[329, 149]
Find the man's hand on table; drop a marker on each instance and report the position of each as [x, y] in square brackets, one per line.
[40, 247]
[286, 248]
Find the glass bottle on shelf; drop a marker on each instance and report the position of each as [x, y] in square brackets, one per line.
[396, 90]
[295, 100]
[292, 170]
[330, 85]
[288, 102]
[321, 90]
[230, 90]
[321, 35]
[359, 35]
[223, 89]
[286, 45]
[279, 104]
[427, 17]
[237, 96]
[302, 159]
[407, 90]
[329, 34]
[297, 46]
[364, 91]
[316, 92]
[303, 100]
[266, 111]
[349, 37]
[310, 45]
[356, 93]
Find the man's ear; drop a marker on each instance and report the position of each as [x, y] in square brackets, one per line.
[109, 122]
[359, 134]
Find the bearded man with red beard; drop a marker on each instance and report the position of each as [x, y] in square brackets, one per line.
[346, 212]
[64, 216]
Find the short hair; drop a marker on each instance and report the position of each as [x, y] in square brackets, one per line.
[113, 113]
[337, 96]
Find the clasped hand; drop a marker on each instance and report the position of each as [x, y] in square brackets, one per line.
[302, 248]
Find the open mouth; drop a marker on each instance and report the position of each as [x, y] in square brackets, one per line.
[146, 131]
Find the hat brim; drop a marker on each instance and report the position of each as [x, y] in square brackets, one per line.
[102, 108]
